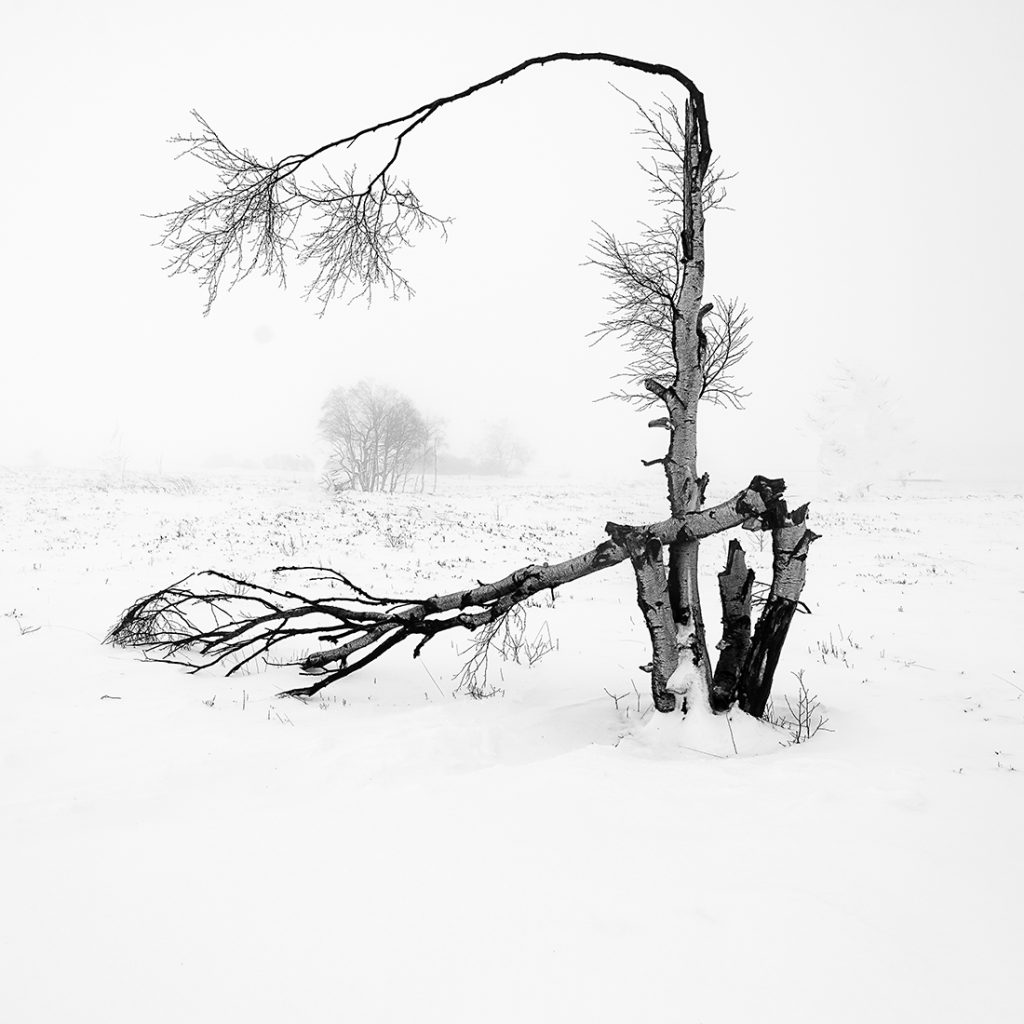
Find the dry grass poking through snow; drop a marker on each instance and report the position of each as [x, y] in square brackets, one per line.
[191, 848]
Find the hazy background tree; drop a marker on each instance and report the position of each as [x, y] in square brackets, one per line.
[376, 435]
[435, 442]
[114, 460]
[864, 438]
[502, 450]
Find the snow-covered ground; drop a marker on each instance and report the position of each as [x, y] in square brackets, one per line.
[190, 848]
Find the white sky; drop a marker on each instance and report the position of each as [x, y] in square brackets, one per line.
[877, 220]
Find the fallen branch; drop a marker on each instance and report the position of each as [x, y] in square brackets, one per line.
[213, 619]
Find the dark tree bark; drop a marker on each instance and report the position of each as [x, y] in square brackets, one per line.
[735, 586]
[791, 541]
[685, 485]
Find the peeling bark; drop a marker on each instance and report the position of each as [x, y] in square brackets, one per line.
[685, 486]
[653, 597]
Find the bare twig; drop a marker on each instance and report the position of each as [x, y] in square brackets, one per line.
[648, 275]
[250, 219]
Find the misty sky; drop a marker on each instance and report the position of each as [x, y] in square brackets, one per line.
[877, 216]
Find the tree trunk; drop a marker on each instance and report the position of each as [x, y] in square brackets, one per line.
[685, 486]
[735, 585]
[790, 543]
[653, 597]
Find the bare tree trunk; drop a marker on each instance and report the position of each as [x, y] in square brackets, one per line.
[385, 467]
[791, 541]
[685, 486]
[653, 597]
[735, 585]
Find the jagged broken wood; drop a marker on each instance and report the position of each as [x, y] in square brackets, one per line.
[735, 587]
[791, 541]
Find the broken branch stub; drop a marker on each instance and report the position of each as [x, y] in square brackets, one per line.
[735, 586]
[791, 541]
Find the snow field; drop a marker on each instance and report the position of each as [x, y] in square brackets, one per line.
[182, 847]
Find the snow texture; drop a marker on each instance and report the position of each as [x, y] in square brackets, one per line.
[687, 675]
[190, 848]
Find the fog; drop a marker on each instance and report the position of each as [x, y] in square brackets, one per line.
[874, 222]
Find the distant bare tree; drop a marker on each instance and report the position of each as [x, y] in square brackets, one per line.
[856, 418]
[377, 437]
[503, 451]
[435, 441]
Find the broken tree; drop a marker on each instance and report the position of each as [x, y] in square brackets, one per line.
[250, 222]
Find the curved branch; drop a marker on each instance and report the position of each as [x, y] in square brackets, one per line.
[249, 222]
[426, 110]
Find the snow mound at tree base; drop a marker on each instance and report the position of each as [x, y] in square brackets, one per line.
[702, 732]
